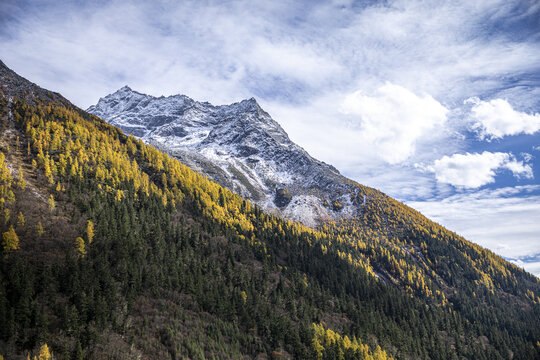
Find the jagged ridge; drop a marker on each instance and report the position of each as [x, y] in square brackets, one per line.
[241, 147]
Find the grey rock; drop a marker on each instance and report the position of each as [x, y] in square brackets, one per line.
[239, 146]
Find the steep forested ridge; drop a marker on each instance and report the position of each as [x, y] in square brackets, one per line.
[112, 249]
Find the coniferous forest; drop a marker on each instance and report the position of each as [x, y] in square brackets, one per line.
[112, 249]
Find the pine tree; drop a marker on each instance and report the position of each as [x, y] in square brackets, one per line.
[79, 352]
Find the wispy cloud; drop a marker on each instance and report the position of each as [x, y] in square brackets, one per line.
[440, 49]
[370, 87]
[308, 56]
[503, 220]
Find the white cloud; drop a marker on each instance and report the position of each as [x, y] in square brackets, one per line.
[213, 49]
[496, 118]
[299, 59]
[503, 220]
[393, 119]
[475, 170]
[527, 157]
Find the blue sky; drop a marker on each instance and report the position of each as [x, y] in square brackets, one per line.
[435, 103]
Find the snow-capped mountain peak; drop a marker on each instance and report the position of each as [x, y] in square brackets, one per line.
[238, 145]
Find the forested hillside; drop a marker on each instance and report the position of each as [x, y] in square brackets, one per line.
[112, 249]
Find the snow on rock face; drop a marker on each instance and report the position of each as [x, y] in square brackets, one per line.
[239, 146]
[307, 209]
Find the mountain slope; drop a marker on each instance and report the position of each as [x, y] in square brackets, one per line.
[178, 267]
[241, 147]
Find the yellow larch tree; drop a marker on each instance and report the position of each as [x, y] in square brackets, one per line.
[52, 204]
[20, 220]
[90, 231]
[39, 229]
[10, 240]
[44, 353]
[80, 247]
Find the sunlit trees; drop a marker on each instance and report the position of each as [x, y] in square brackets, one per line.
[165, 232]
[10, 240]
[44, 353]
[89, 231]
[80, 247]
[20, 220]
[329, 344]
[39, 229]
[52, 203]
[21, 183]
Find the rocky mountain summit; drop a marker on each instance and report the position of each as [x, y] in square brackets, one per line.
[239, 146]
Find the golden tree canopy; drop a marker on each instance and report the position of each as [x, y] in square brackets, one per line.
[10, 240]
[44, 353]
[80, 247]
